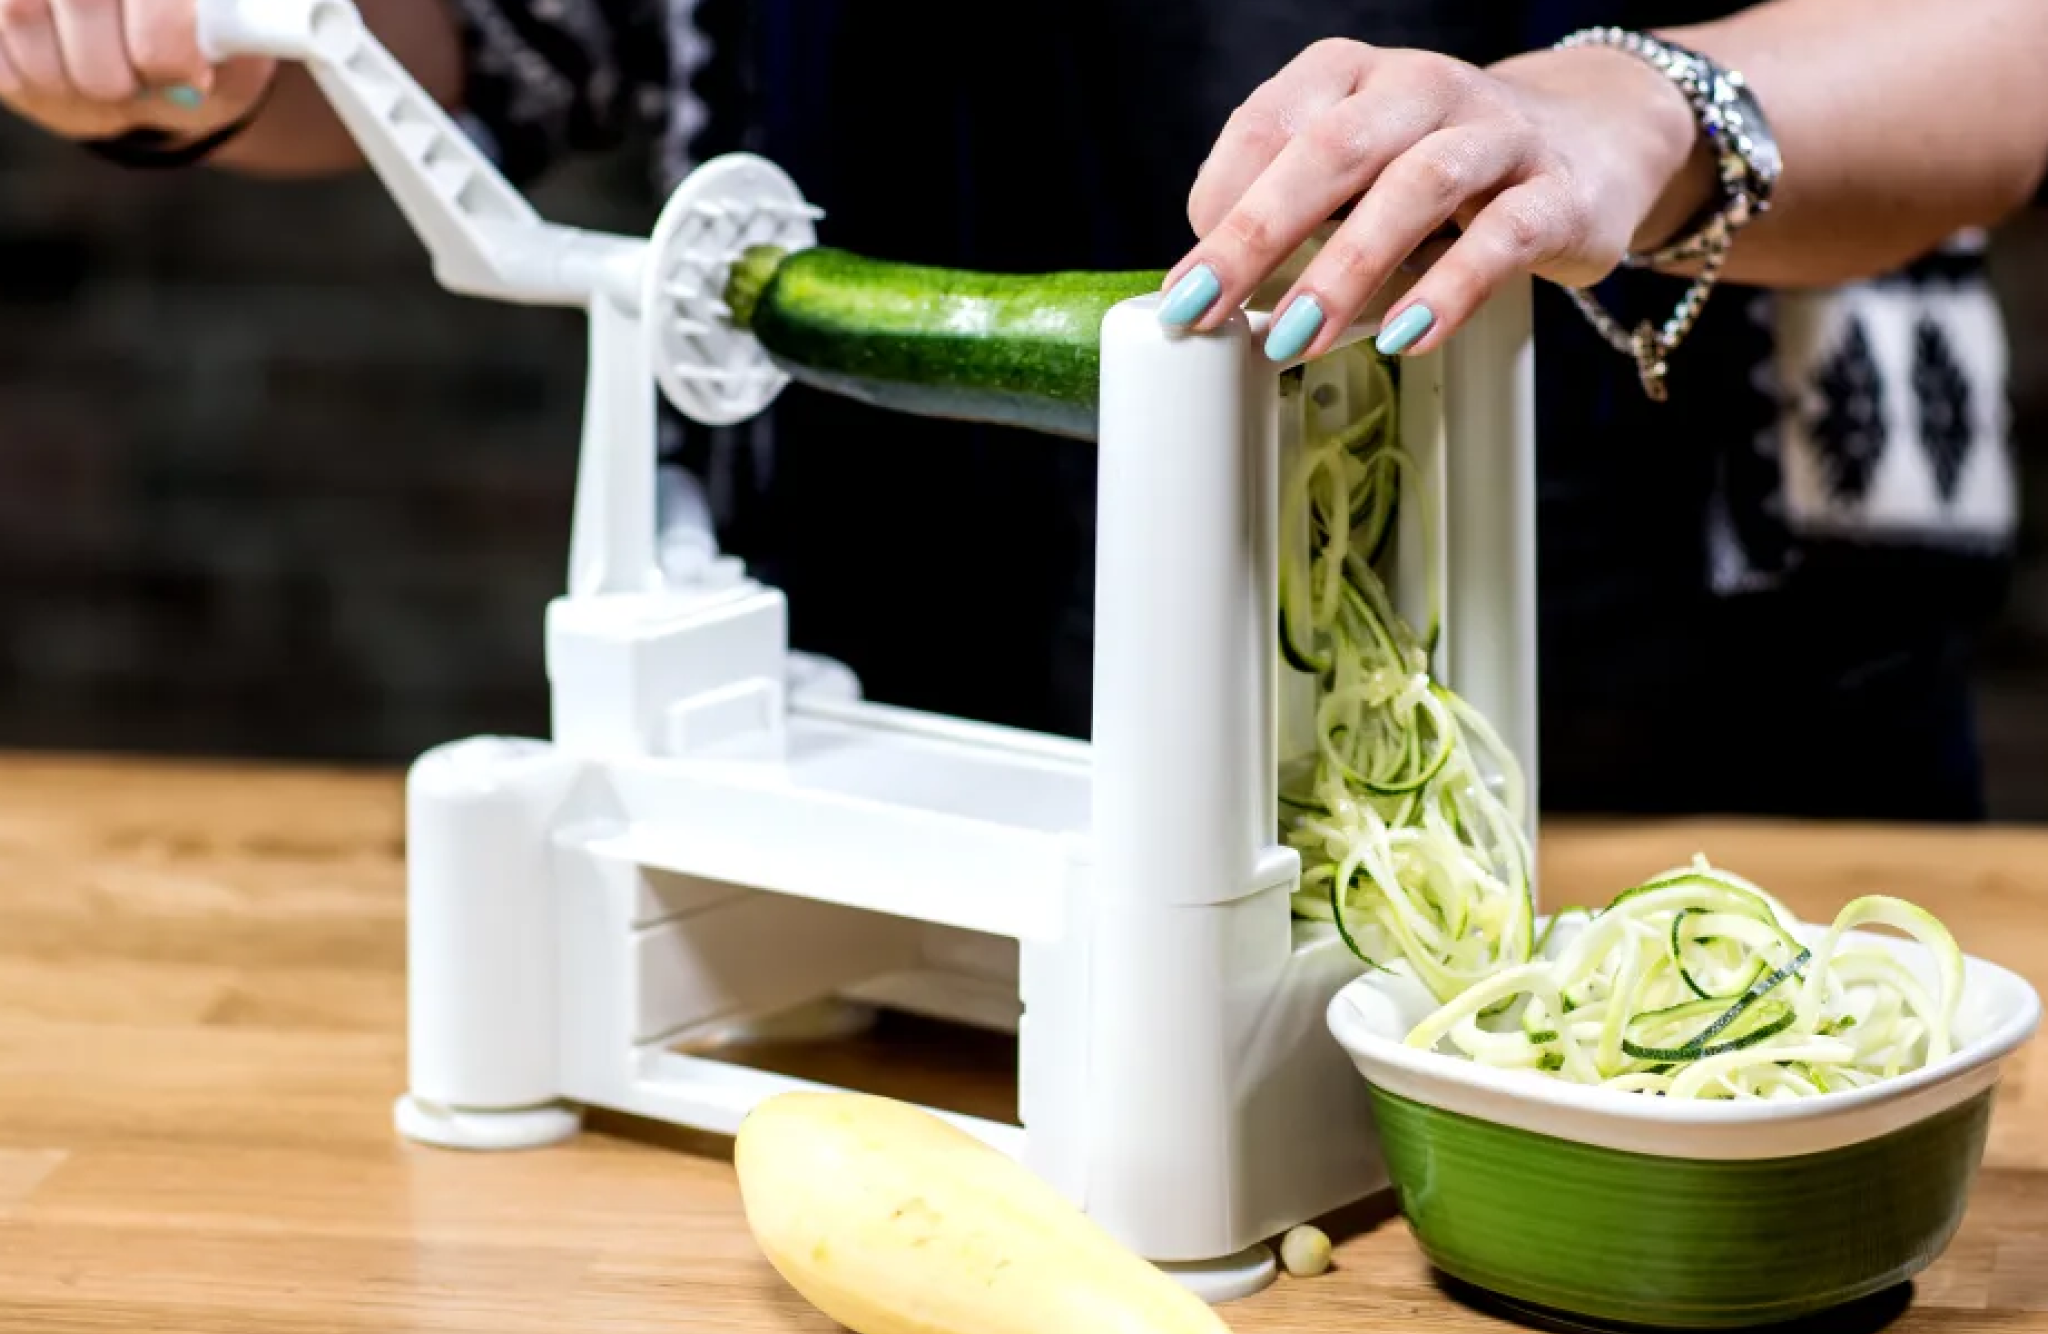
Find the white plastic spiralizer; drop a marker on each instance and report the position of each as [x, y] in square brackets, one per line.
[708, 840]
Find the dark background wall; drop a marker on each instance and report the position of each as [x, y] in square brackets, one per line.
[2014, 671]
[268, 490]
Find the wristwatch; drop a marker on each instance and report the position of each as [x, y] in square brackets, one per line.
[1747, 166]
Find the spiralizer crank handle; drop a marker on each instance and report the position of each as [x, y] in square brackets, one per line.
[282, 29]
[485, 238]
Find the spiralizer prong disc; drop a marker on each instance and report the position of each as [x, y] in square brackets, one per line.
[714, 373]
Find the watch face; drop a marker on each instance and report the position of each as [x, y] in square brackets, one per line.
[1749, 150]
[1757, 142]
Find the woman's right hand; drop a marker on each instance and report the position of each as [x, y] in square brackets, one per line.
[92, 69]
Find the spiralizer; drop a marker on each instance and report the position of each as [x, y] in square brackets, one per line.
[707, 841]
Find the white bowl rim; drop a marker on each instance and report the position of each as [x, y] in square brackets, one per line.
[1424, 1068]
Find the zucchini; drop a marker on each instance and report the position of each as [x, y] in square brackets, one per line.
[1019, 350]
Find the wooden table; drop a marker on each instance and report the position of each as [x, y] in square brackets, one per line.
[201, 1031]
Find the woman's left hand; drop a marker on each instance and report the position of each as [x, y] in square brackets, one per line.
[1551, 164]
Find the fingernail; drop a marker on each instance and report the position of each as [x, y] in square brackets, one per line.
[184, 95]
[1399, 334]
[1295, 328]
[1190, 296]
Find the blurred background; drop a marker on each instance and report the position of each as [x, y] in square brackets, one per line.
[327, 527]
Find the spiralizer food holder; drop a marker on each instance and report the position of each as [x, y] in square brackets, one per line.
[705, 844]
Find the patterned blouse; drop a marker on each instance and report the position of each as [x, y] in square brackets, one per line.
[1803, 540]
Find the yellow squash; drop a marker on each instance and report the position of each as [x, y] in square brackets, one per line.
[891, 1221]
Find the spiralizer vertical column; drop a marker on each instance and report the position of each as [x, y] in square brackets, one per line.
[1188, 901]
[1489, 522]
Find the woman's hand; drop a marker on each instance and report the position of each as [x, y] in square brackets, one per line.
[89, 69]
[1553, 163]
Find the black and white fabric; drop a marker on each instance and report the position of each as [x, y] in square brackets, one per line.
[1891, 423]
[1896, 425]
[548, 78]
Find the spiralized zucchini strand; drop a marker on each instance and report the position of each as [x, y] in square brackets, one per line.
[1701, 990]
[1410, 815]
[1410, 818]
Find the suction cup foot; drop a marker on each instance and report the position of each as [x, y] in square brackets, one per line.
[454, 1128]
[1227, 1280]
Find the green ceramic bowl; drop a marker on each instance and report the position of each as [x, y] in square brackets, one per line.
[1626, 1210]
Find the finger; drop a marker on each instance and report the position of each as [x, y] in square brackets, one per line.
[1331, 161]
[1401, 98]
[1308, 181]
[10, 78]
[29, 35]
[95, 50]
[1256, 133]
[1525, 228]
[163, 41]
[1419, 192]
[1317, 79]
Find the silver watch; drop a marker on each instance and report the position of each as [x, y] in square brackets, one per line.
[1747, 165]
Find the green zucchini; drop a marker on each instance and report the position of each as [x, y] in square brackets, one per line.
[1009, 349]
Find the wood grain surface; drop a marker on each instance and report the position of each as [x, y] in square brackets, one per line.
[202, 1028]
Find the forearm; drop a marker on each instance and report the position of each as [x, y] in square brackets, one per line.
[1900, 121]
[298, 133]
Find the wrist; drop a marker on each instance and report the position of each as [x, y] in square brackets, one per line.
[1649, 153]
[1688, 189]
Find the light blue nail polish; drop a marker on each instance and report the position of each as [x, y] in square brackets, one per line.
[1295, 329]
[1190, 296]
[1399, 334]
[184, 95]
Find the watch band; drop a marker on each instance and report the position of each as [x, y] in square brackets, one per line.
[1745, 159]
[1746, 167]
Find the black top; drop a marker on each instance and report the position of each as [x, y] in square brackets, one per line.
[1757, 596]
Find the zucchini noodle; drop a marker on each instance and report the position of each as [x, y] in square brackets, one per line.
[1410, 814]
[1410, 820]
[1693, 985]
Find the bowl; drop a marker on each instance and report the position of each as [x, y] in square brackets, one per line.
[1623, 1209]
